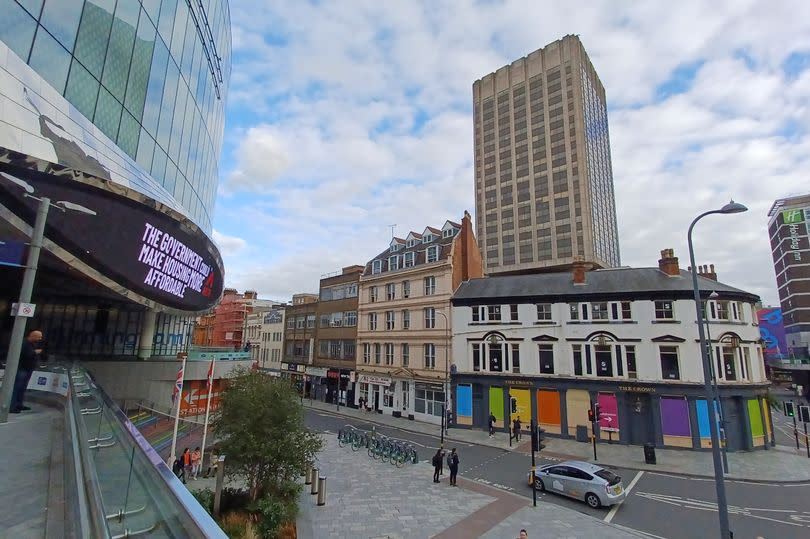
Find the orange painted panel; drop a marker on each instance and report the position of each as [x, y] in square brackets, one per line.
[548, 407]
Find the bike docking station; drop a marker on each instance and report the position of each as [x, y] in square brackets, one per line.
[378, 446]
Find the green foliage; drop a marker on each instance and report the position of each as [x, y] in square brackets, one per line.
[206, 499]
[261, 427]
[276, 511]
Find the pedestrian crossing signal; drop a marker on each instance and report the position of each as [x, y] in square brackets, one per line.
[789, 410]
[538, 435]
[804, 414]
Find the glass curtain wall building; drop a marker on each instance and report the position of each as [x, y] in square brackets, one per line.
[117, 105]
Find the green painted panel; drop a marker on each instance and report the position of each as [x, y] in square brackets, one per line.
[496, 402]
[755, 418]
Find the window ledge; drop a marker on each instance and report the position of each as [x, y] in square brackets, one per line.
[664, 321]
[546, 323]
[496, 323]
[602, 322]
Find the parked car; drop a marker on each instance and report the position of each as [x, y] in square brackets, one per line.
[595, 485]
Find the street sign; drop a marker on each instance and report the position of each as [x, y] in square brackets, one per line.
[23, 309]
[804, 414]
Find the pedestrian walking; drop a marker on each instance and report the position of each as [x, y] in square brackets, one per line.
[437, 465]
[186, 458]
[452, 463]
[523, 535]
[30, 355]
[491, 425]
[516, 428]
[178, 470]
[213, 458]
[195, 463]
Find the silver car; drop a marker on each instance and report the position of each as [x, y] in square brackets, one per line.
[581, 480]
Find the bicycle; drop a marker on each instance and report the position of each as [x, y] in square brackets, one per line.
[342, 438]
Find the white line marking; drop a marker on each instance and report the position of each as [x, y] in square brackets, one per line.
[648, 534]
[615, 508]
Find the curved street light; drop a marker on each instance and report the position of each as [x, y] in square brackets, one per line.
[444, 424]
[27, 287]
[720, 487]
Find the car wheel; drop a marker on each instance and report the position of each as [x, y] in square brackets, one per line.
[593, 500]
[538, 484]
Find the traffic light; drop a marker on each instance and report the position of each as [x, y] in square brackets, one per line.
[789, 409]
[538, 435]
[804, 414]
[597, 411]
[513, 402]
[591, 415]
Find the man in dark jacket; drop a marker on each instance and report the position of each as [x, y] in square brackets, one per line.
[29, 357]
[452, 463]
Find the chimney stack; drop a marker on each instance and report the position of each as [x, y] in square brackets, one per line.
[669, 263]
[707, 272]
[579, 267]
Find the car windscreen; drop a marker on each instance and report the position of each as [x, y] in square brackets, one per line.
[609, 476]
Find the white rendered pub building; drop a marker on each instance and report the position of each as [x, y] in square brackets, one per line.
[625, 338]
[404, 321]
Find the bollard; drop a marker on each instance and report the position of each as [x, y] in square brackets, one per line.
[314, 489]
[220, 482]
[322, 490]
[308, 476]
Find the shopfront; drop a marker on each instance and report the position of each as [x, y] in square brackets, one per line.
[667, 415]
[373, 390]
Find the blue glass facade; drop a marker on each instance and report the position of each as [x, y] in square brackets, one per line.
[152, 75]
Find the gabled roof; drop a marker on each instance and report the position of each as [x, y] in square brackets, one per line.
[431, 229]
[449, 224]
[396, 241]
[606, 284]
[413, 236]
[419, 250]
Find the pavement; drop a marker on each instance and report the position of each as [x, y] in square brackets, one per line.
[367, 498]
[31, 447]
[781, 464]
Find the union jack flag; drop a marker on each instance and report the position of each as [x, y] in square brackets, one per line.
[210, 378]
[178, 385]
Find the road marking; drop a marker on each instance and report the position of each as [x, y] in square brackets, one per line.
[687, 478]
[701, 505]
[738, 481]
[615, 508]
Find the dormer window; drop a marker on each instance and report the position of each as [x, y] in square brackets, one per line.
[393, 263]
[433, 253]
[396, 247]
[449, 233]
[427, 238]
[376, 266]
[408, 261]
[411, 243]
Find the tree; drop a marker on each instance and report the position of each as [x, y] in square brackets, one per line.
[260, 425]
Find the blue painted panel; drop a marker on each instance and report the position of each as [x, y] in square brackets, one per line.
[703, 418]
[464, 400]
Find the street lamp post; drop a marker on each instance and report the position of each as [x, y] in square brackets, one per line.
[722, 504]
[446, 375]
[723, 442]
[27, 288]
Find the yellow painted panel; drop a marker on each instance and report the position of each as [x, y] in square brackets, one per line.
[524, 406]
[464, 420]
[578, 402]
[767, 409]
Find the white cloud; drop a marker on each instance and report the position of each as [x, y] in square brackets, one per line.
[229, 245]
[343, 121]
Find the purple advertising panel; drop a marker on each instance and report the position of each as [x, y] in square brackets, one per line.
[675, 417]
[608, 412]
[772, 331]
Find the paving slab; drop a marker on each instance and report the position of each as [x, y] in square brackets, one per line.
[775, 465]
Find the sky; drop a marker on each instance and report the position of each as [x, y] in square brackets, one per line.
[344, 118]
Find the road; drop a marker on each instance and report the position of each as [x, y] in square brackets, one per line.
[660, 505]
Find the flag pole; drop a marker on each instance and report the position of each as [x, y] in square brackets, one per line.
[173, 455]
[207, 409]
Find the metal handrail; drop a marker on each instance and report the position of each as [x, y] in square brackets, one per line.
[205, 524]
[88, 481]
